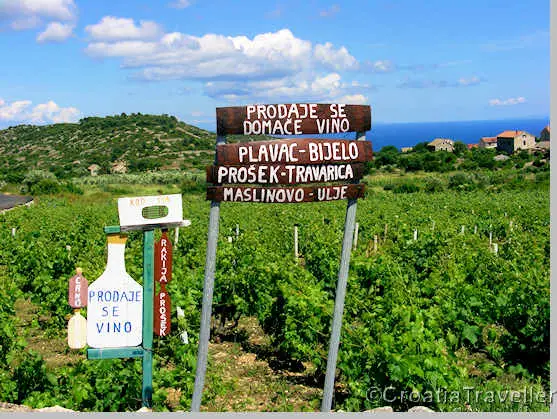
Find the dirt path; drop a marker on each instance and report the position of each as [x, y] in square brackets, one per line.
[249, 382]
[53, 349]
[239, 374]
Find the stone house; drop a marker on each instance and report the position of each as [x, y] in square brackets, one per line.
[511, 141]
[119, 167]
[94, 169]
[441, 144]
[488, 142]
[406, 149]
[545, 134]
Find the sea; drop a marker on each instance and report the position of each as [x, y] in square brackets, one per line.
[469, 132]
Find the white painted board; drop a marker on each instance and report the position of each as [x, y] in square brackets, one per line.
[114, 305]
[130, 209]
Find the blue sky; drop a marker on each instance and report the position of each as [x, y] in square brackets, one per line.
[411, 61]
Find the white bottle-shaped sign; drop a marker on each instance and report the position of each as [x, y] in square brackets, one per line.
[77, 331]
[114, 303]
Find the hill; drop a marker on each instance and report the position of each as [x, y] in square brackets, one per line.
[139, 141]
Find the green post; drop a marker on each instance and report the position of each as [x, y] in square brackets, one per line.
[148, 296]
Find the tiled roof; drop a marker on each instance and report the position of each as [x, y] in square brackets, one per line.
[510, 134]
[439, 141]
[489, 139]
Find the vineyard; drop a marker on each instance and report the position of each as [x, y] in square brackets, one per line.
[431, 305]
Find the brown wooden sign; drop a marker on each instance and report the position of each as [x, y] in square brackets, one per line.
[285, 174]
[293, 119]
[161, 321]
[77, 295]
[163, 259]
[284, 195]
[295, 151]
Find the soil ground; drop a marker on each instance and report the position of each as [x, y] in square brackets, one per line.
[242, 371]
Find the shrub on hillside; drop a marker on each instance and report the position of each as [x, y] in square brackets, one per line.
[462, 182]
[433, 184]
[406, 187]
[45, 187]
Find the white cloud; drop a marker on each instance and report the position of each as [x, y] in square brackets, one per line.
[469, 82]
[330, 11]
[177, 55]
[49, 9]
[267, 65]
[339, 59]
[13, 111]
[121, 49]
[30, 14]
[56, 32]
[327, 88]
[24, 23]
[180, 4]
[507, 102]
[379, 66]
[112, 28]
[49, 112]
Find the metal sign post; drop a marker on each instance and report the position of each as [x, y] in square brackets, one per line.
[336, 325]
[208, 287]
[285, 162]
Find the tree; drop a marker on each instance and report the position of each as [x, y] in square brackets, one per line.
[421, 147]
[388, 155]
[459, 148]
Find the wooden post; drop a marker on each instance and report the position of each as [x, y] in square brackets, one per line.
[237, 230]
[356, 235]
[13, 231]
[475, 229]
[148, 297]
[511, 225]
[385, 233]
[415, 234]
[296, 253]
[462, 230]
[490, 239]
[495, 248]
[375, 243]
[176, 235]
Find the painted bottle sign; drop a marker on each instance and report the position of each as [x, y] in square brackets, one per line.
[163, 274]
[115, 303]
[77, 331]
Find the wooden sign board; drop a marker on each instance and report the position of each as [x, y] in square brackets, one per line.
[150, 210]
[293, 119]
[163, 259]
[284, 174]
[77, 295]
[299, 151]
[161, 325]
[284, 195]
